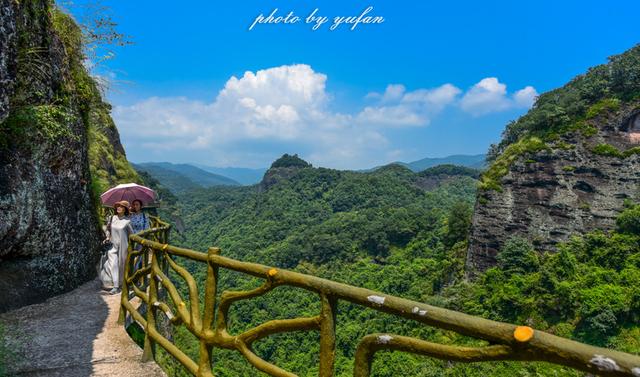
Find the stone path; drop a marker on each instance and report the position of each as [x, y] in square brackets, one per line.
[73, 335]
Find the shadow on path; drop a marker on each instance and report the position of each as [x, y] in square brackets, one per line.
[73, 335]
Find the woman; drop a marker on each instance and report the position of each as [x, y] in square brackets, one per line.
[139, 222]
[118, 231]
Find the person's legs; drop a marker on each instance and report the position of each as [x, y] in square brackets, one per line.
[138, 263]
[107, 270]
[114, 269]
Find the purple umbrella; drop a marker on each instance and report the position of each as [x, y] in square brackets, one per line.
[128, 192]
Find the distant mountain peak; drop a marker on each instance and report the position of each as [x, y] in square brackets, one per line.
[282, 169]
[290, 161]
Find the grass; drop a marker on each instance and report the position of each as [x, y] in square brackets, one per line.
[603, 106]
[611, 151]
[490, 180]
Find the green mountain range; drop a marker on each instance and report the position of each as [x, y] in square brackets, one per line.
[182, 177]
[245, 176]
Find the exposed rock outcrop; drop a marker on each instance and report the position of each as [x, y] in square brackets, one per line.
[575, 184]
[566, 167]
[58, 149]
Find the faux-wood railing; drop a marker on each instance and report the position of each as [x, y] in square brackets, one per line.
[507, 341]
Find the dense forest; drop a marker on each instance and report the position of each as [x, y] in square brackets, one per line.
[404, 234]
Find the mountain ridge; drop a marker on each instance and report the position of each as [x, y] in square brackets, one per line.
[182, 177]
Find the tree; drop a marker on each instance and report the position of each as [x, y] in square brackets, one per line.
[458, 223]
[518, 256]
[629, 220]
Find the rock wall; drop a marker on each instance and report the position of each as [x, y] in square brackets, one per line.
[566, 189]
[7, 54]
[49, 112]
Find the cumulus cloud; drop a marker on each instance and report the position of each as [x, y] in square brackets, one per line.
[490, 96]
[276, 106]
[525, 97]
[288, 108]
[399, 108]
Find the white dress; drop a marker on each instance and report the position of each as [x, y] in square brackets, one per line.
[112, 271]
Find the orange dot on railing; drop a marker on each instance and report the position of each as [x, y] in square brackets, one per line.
[272, 272]
[523, 333]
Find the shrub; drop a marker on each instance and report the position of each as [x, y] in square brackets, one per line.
[605, 105]
[629, 220]
[518, 256]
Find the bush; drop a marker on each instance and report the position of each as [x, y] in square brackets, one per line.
[629, 220]
[518, 256]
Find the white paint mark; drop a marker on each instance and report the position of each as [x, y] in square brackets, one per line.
[156, 304]
[416, 310]
[169, 315]
[384, 339]
[636, 372]
[378, 300]
[604, 363]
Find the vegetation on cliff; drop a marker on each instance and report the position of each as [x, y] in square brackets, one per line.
[41, 114]
[107, 160]
[571, 108]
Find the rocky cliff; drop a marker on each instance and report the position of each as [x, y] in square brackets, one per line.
[59, 149]
[566, 167]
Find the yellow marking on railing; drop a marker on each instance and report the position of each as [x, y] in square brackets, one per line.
[523, 333]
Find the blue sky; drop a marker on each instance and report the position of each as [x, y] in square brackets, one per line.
[434, 79]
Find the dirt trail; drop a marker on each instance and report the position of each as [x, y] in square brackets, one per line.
[73, 335]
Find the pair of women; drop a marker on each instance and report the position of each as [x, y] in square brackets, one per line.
[119, 227]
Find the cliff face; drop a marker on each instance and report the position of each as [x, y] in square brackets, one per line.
[58, 150]
[573, 180]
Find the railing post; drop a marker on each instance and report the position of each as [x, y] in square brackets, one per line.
[327, 335]
[149, 345]
[124, 295]
[211, 286]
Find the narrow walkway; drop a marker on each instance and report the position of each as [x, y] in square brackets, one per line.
[73, 335]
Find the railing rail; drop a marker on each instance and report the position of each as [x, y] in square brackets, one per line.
[507, 341]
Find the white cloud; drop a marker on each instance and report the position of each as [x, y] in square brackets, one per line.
[286, 109]
[526, 96]
[400, 108]
[279, 105]
[490, 96]
[393, 92]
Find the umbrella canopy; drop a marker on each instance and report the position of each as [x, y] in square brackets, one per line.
[128, 192]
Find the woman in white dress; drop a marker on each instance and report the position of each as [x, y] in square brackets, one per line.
[118, 232]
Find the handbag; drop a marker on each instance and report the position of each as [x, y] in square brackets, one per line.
[107, 244]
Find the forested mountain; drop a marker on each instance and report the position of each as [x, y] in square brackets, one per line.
[181, 177]
[245, 176]
[470, 161]
[566, 167]
[387, 230]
